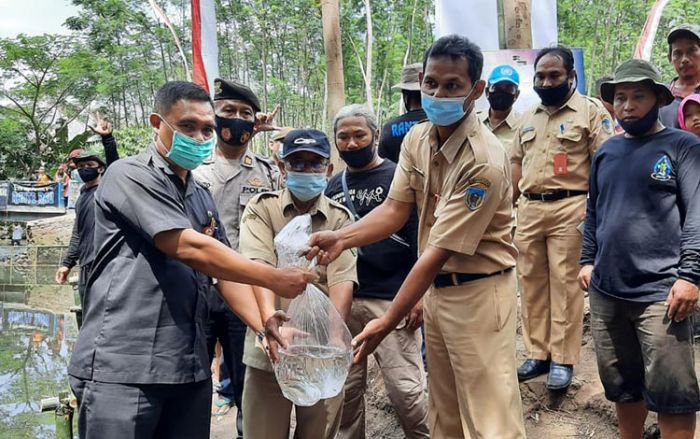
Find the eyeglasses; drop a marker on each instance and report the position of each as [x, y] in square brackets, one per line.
[300, 165]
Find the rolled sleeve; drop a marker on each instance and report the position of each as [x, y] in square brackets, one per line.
[145, 200]
[256, 238]
[400, 189]
[461, 223]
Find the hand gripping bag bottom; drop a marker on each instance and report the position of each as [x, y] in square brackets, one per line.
[318, 356]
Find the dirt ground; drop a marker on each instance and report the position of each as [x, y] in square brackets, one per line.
[580, 413]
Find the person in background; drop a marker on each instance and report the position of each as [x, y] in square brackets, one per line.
[689, 114]
[41, 178]
[17, 234]
[684, 54]
[640, 259]
[381, 268]
[502, 90]
[63, 178]
[396, 129]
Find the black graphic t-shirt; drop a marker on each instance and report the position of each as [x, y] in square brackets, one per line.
[642, 229]
[395, 130]
[368, 190]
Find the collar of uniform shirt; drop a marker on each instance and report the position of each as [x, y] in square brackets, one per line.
[571, 103]
[509, 120]
[321, 205]
[153, 158]
[449, 149]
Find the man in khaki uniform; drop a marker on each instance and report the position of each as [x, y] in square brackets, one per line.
[502, 92]
[551, 161]
[457, 175]
[305, 156]
[233, 175]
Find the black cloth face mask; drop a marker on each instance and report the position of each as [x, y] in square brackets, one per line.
[234, 132]
[501, 100]
[552, 96]
[642, 125]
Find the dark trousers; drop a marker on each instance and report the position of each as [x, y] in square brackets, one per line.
[142, 411]
[226, 327]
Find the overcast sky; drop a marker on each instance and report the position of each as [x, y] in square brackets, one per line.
[34, 17]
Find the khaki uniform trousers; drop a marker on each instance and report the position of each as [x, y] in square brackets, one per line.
[399, 359]
[267, 413]
[470, 337]
[549, 247]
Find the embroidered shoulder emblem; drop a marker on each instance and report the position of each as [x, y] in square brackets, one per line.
[662, 169]
[476, 193]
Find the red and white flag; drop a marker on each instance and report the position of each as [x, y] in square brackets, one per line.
[205, 49]
[646, 41]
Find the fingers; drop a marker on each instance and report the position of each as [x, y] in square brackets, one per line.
[273, 351]
[272, 115]
[672, 305]
[311, 252]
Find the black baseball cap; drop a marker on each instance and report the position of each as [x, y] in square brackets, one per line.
[306, 140]
[224, 89]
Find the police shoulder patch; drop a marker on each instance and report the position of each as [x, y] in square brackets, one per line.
[607, 125]
[476, 193]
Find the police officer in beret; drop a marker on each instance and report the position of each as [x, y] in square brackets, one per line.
[234, 174]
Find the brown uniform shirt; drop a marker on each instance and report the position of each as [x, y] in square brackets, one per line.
[504, 131]
[555, 150]
[264, 217]
[463, 194]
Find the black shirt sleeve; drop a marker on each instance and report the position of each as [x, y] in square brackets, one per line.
[71, 257]
[689, 188]
[149, 202]
[589, 246]
[110, 146]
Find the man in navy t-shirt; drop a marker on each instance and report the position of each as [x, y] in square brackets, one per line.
[641, 257]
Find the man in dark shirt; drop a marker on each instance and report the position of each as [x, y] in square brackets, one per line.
[395, 130]
[140, 367]
[381, 269]
[90, 166]
[684, 54]
[641, 257]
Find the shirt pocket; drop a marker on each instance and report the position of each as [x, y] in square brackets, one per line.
[570, 139]
[527, 140]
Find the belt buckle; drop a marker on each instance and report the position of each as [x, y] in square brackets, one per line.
[455, 281]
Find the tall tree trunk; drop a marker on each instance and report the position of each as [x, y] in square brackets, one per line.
[335, 81]
[517, 23]
[368, 55]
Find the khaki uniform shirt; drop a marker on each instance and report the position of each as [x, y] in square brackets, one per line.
[463, 194]
[264, 217]
[569, 136]
[232, 190]
[504, 131]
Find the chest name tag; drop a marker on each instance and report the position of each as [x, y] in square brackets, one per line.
[561, 164]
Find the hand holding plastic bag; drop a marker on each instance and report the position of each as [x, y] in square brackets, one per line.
[315, 363]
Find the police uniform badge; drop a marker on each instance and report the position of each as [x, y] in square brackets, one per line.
[256, 182]
[662, 169]
[217, 87]
[244, 138]
[226, 134]
[246, 160]
[210, 228]
[476, 193]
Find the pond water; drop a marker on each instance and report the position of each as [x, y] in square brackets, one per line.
[37, 334]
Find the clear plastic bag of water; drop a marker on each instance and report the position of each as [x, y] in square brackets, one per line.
[316, 361]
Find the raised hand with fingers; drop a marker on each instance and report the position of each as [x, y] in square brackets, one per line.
[367, 341]
[100, 125]
[265, 121]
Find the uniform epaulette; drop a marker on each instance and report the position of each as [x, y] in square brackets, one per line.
[264, 195]
[334, 203]
[267, 161]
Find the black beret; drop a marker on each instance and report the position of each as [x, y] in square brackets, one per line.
[233, 90]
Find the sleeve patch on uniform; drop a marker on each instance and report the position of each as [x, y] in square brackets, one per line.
[476, 194]
[248, 216]
[607, 125]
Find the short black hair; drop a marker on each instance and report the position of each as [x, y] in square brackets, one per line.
[173, 91]
[600, 82]
[457, 46]
[561, 52]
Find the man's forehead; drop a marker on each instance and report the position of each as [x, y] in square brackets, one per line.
[550, 62]
[234, 103]
[443, 64]
[186, 109]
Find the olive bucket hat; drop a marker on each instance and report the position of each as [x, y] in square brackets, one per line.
[636, 70]
[90, 154]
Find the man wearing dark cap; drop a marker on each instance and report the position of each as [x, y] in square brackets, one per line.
[394, 131]
[306, 164]
[684, 54]
[234, 174]
[641, 258]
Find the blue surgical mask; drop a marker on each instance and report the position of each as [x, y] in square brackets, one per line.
[444, 111]
[186, 152]
[306, 186]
